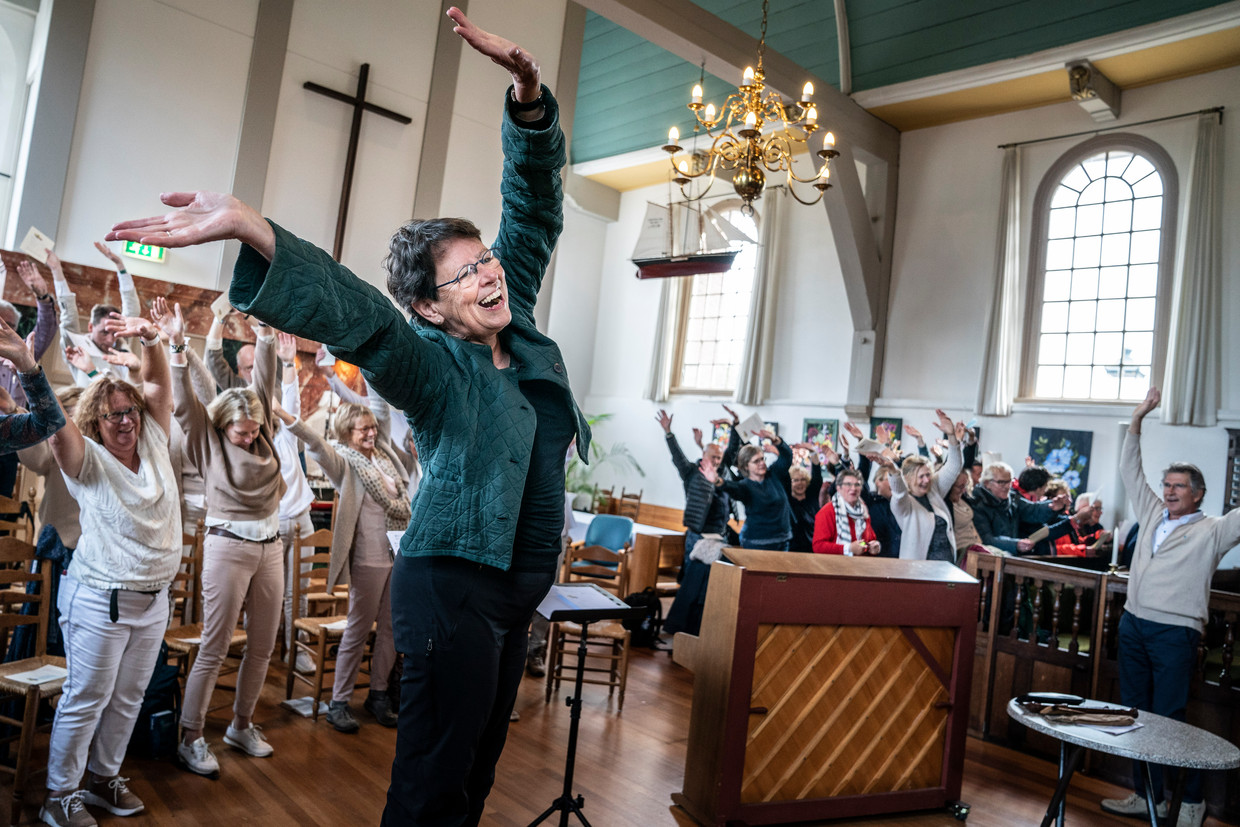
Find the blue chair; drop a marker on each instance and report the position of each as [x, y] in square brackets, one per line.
[600, 557]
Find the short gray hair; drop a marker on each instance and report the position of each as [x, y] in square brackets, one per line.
[10, 312]
[414, 251]
[988, 473]
[1195, 477]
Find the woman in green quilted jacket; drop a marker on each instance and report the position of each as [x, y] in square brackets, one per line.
[489, 404]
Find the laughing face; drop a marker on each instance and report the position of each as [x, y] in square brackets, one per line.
[121, 425]
[473, 294]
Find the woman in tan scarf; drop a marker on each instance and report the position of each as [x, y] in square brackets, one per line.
[374, 499]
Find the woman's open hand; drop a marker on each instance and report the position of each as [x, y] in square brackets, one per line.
[526, 76]
[199, 218]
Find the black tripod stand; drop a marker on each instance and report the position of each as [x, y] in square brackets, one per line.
[586, 603]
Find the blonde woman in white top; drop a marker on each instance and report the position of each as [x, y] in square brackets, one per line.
[114, 598]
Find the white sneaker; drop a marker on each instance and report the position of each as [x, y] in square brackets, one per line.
[1133, 805]
[1192, 815]
[304, 663]
[249, 740]
[197, 757]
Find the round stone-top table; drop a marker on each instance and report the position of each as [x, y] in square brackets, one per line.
[1159, 740]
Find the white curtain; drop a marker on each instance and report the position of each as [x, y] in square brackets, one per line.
[755, 376]
[659, 385]
[1191, 384]
[1000, 370]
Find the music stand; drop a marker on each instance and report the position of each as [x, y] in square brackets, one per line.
[581, 603]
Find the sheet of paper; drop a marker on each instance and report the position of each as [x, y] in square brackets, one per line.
[338, 626]
[304, 706]
[37, 245]
[44, 674]
[1113, 730]
[220, 307]
[751, 425]
[79, 340]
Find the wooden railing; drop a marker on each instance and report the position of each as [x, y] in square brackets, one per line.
[1049, 627]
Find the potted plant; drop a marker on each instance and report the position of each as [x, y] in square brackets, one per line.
[577, 474]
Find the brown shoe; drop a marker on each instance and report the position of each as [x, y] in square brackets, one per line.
[67, 811]
[113, 794]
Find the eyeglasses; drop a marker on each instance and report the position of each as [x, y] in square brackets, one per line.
[996, 481]
[848, 485]
[131, 413]
[471, 270]
[368, 429]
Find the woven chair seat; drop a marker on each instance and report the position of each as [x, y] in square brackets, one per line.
[318, 625]
[184, 639]
[49, 689]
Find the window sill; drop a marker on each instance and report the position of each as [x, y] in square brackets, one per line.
[1073, 407]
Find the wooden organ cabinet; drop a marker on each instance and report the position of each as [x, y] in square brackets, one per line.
[826, 687]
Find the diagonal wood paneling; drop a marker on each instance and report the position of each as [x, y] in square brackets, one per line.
[845, 710]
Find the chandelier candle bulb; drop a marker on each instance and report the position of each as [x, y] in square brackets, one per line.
[808, 91]
[697, 93]
[751, 120]
[710, 112]
[811, 116]
[828, 141]
[673, 135]
[748, 78]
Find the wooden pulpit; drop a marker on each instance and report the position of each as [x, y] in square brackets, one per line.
[826, 687]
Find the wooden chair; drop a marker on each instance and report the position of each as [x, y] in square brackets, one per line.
[184, 639]
[316, 635]
[20, 568]
[602, 558]
[17, 521]
[606, 662]
[629, 504]
[604, 500]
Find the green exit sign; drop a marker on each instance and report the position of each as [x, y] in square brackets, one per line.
[146, 252]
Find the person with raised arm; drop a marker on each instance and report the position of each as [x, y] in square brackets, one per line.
[1165, 613]
[101, 341]
[113, 600]
[231, 442]
[44, 326]
[918, 495]
[21, 430]
[488, 399]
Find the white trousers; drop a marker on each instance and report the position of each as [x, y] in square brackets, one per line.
[110, 665]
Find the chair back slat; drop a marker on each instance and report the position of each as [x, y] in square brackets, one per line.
[24, 569]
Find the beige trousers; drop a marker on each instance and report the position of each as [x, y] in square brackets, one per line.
[370, 592]
[236, 574]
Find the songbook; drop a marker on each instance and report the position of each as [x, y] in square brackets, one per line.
[585, 603]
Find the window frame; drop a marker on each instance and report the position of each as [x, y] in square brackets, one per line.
[682, 315]
[1165, 166]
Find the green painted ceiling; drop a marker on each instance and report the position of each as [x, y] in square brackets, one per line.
[631, 91]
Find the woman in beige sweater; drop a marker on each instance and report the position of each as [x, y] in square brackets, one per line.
[374, 499]
[230, 441]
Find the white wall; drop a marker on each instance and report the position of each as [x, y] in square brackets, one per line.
[160, 110]
[941, 290]
[810, 375]
[942, 279]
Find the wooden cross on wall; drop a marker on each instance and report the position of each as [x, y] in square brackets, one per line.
[360, 105]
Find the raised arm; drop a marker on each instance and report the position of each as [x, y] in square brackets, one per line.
[156, 377]
[45, 417]
[1131, 470]
[217, 366]
[534, 153]
[65, 297]
[321, 451]
[45, 325]
[131, 305]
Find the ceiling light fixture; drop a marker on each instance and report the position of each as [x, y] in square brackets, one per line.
[742, 149]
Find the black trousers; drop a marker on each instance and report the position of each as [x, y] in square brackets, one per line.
[462, 629]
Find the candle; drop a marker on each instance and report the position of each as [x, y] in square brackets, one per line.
[811, 116]
[683, 166]
[751, 121]
[828, 140]
[697, 93]
[808, 91]
[825, 173]
[748, 81]
[710, 112]
[673, 135]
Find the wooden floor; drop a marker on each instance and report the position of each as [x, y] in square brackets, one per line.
[628, 766]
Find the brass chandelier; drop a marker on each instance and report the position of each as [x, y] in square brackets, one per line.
[742, 149]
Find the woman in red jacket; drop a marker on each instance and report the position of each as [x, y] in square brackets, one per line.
[843, 524]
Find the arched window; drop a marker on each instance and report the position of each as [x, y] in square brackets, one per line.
[714, 315]
[1100, 264]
